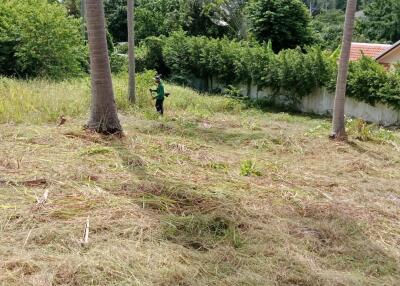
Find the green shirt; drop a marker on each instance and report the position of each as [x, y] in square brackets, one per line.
[160, 91]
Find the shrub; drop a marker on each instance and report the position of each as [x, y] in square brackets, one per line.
[284, 22]
[366, 78]
[150, 55]
[39, 39]
[371, 83]
[291, 73]
[363, 131]
[248, 168]
[118, 63]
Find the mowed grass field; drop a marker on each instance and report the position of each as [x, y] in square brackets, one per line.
[214, 193]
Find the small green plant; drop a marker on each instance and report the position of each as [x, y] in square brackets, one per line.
[360, 129]
[248, 168]
[232, 91]
[363, 131]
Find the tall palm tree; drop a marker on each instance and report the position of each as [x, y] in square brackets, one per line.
[103, 116]
[131, 51]
[339, 131]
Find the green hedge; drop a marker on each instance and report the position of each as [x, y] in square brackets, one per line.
[290, 71]
[371, 83]
[293, 73]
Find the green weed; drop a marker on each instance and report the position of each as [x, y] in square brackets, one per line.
[248, 168]
[363, 131]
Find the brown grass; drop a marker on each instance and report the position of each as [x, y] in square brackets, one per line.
[168, 204]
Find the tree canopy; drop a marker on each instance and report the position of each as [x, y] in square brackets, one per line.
[286, 23]
[38, 39]
[382, 21]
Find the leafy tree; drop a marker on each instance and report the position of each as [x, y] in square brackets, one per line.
[213, 18]
[286, 23]
[382, 21]
[317, 6]
[116, 16]
[328, 28]
[38, 39]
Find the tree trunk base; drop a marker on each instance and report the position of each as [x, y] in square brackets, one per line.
[339, 136]
[101, 128]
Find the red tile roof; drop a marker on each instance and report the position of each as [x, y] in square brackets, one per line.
[371, 50]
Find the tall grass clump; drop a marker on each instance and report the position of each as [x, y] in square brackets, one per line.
[190, 101]
[44, 101]
[39, 101]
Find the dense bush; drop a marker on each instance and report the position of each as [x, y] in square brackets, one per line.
[381, 22]
[292, 73]
[371, 83]
[38, 39]
[284, 22]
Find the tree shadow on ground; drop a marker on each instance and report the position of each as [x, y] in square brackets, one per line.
[211, 135]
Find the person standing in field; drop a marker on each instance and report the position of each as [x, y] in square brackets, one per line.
[160, 95]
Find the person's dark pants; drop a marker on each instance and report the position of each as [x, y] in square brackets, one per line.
[160, 106]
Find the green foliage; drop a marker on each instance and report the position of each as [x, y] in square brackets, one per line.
[382, 21]
[369, 82]
[163, 17]
[286, 23]
[248, 168]
[363, 131]
[366, 78]
[118, 63]
[116, 16]
[232, 91]
[290, 72]
[38, 39]
[149, 56]
[328, 28]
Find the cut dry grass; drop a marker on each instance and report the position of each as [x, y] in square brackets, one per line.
[212, 194]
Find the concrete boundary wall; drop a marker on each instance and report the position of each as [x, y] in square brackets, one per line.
[321, 102]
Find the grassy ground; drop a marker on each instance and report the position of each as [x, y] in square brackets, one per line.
[215, 193]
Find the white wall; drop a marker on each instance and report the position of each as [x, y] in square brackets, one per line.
[321, 102]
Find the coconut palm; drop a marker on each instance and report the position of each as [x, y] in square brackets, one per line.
[103, 116]
[339, 131]
[131, 51]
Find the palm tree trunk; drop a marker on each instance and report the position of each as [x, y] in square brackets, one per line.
[131, 51]
[103, 117]
[339, 131]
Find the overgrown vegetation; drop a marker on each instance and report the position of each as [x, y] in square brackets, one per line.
[285, 23]
[24, 101]
[292, 73]
[371, 83]
[38, 40]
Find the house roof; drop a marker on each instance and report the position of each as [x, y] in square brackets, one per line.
[370, 50]
[388, 51]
